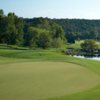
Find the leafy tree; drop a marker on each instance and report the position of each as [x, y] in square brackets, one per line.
[44, 40]
[31, 37]
[11, 29]
[14, 29]
[3, 28]
[36, 37]
[45, 27]
[89, 45]
[57, 42]
[58, 32]
[19, 24]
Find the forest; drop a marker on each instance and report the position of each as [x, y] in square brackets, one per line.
[80, 29]
[45, 32]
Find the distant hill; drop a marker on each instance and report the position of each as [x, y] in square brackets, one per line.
[80, 28]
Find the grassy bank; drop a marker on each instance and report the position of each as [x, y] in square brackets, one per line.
[50, 55]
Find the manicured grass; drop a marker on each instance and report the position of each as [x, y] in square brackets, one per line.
[37, 80]
[49, 55]
[92, 94]
[20, 80]
[76, 45]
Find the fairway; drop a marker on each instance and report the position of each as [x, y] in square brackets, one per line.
[39, 80]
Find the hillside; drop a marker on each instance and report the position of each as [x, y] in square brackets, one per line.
[80, 28]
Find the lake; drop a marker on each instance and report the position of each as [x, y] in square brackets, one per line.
[92, 58]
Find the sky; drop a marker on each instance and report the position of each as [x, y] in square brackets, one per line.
[83, 9]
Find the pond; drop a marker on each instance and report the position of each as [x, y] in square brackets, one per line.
[92, 58]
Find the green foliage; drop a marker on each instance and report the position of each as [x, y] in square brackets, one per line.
[20, 33]
[3, 29]
[83, 29]
[33, 33]
[57, 42]
[15, 30]
[89, 44]
[47, 32]
[37, 37]
[44, 40]
[30, 38]
[11, 29]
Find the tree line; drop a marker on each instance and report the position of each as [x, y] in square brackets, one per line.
[80, 29]
[45, 32]
[74, 29]
[33, 33]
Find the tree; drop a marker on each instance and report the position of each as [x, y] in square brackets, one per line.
[31, 37]
[14, 30]
[57, 42]
[11, 29]
[89, 45]
[37, 37]
[19, 24]
[44, 40]
[3, 29]
[44, 27]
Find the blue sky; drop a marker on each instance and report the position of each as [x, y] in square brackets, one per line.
[88, 9]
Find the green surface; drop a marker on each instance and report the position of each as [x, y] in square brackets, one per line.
[36, 80]
[47, 75]
[92, 94]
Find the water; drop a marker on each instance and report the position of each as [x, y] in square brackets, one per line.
[92, 58]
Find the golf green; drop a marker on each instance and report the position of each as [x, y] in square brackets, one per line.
[39, 80]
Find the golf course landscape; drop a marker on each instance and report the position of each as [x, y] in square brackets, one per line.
[47, 75]
[50, 50]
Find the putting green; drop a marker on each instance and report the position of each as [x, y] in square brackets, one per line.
[38, 80]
